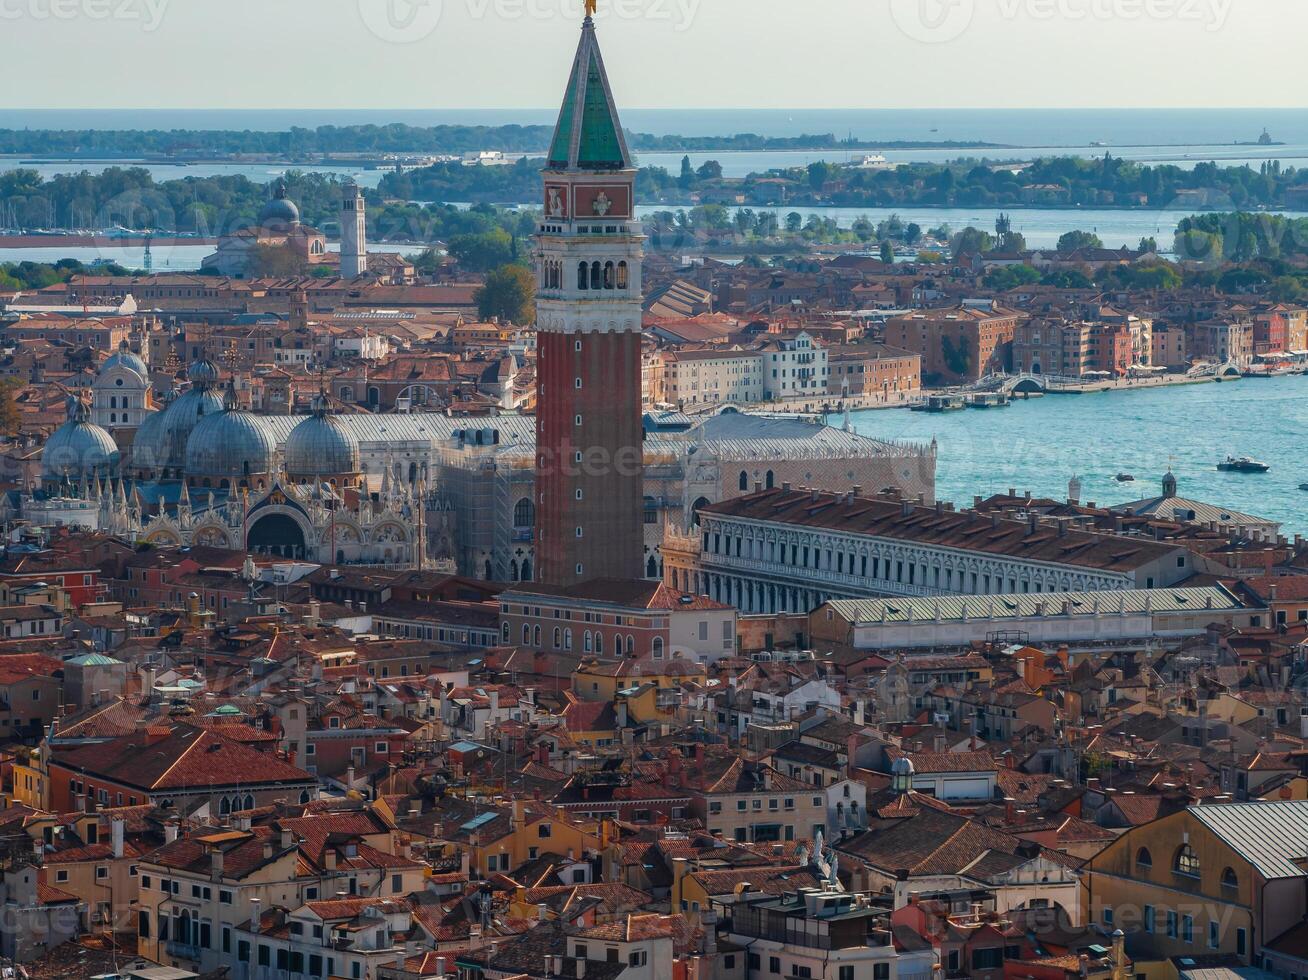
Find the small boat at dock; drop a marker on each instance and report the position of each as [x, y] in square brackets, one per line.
[942, 403]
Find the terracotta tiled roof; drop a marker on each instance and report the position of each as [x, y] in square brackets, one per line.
[180, 756]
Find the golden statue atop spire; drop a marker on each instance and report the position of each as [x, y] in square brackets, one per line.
[590, 7]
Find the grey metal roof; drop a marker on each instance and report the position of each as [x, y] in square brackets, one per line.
[1189, 511]
[1270, 836]
[954, 608]
[737, 435]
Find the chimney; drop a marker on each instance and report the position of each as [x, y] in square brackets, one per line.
[171, 827]
[216, 864]
[116, 826]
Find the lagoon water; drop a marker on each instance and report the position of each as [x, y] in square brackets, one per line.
[1039, 445]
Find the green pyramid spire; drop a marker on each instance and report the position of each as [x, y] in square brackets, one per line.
[589, 135]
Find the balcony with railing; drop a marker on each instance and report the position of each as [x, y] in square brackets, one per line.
[182, 950]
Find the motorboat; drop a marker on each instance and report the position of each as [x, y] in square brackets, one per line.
[1242, 464]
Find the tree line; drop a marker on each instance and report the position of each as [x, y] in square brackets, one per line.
[301, 143]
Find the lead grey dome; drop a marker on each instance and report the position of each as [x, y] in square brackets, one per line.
[281, 211]
[162, 438]
[231, 445]
[78, 448]
[124, 358]
[203, 373]
[321, 446]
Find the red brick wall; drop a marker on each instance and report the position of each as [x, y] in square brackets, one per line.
[609, 440]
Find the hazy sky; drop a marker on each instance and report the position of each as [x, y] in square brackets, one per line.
[660, 53]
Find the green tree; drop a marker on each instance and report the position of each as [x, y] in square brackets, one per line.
[1012, 242]
[1011, 276]
[509, 295]
[687, 178]
[820, 173]
[11, 418]
[1287, 289]
[429, 262]
[887, 253]
[1194, 245]
[1149, 244]
[971, 241]
[1074, 240]
[1067, 279]
[794, 222]
[482, 251]
[711, 170]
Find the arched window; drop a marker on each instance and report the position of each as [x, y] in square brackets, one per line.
[526, 569]
[596, 276]
[599, 642]
[631, 645]
[699, 504]
[567, 639]
[1229, 880]
[526, 634]
[744, 480]
[651, 568]
[524, 513]
[535, 637]
[771, 480]
[347, 393]
[657, 647]
[623, 279]
[583, 275]
[586, 641]
[504, 634]
[513, 569]
[1187, 861]
[1143, 859]
[558, 638]
[224, 806]
[249, 802]
[304, 796]
[609, 275]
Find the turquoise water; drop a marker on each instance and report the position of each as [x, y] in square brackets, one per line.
[1039, 445]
